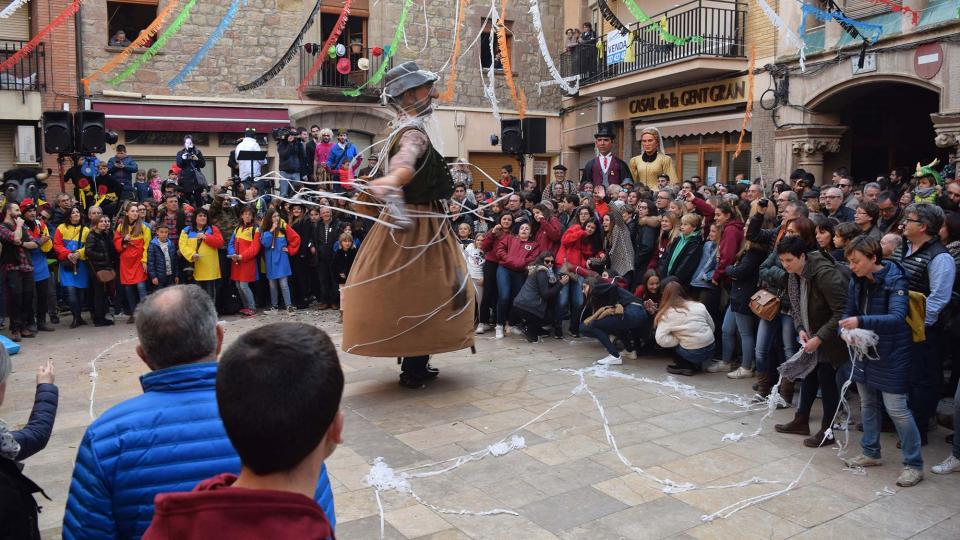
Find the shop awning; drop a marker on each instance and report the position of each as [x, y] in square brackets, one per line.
[192, 118]
[696, 126]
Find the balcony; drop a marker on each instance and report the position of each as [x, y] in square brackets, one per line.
[720, 23]
[329, 84]
[27, 75]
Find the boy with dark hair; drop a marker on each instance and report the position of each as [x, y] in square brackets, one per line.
[281, 446]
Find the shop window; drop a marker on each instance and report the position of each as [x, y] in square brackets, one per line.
[485, 37]
[127, 18]
[164, 138]
[232, 139]
[740, 165]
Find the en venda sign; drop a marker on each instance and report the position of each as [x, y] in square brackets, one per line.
[616, 47]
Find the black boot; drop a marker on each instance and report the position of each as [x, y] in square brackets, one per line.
[414, 371]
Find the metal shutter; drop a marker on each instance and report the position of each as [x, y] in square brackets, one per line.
[8, 152]
[858, 9]
[17, 26]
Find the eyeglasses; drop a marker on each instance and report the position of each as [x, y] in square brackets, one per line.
[548, 261]
[843, 185]
[917, 221]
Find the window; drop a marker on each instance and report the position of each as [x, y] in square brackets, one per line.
[485, 38]
[232, 139]
[127, 18]
[164, 138]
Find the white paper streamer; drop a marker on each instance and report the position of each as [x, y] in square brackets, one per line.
[15, 5]
[490, 86]
[791, 38]
[545, 51]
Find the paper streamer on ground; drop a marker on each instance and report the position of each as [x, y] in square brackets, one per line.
[15, 5]
[28, 47]
[145, 36]
[519, 98]
[447, 95]
[331, 39]
[387, 55]
[218, 32]
[545, 52]
[157, 45]
[746, 114]
[791, 38]
[287, 56]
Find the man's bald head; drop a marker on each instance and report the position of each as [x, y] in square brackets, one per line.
[177, 325]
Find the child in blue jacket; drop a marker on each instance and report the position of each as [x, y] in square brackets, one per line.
[162, 258]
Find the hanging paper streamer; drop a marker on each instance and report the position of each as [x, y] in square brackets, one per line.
[387, 53]
[145, 36]
[26, 49]
[897, 8]
[545, 51]
[519, 98]
[746, 114]
[643, 18]
[287, 56]
[157, 45]
[791, 38]
[611, 17]
[447, 95]
[15, 5]
[331, 40]
[853, 27]
[490, 87]
[218, 32]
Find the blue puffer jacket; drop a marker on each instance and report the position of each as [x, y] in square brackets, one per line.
[35, 435]
[882, 306]
[168, 439]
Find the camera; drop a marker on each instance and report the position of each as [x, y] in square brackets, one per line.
[281, 134]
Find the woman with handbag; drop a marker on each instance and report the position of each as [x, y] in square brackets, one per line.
[101, 256]
[68, 243]
[131, 240]
[192, 181]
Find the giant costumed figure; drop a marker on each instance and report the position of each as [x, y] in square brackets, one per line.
[409, 294]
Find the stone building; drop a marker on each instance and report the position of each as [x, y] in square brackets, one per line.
[152, 117]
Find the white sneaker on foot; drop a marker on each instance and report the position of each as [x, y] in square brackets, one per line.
[949, 465]
[628, 355]
[740, 373]
[499, 330]
[909, 477]
[482, 328]
[718, 367]
[271, 311]
[863, 460]
[610, 360]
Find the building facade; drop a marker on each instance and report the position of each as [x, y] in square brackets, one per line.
[152, 118]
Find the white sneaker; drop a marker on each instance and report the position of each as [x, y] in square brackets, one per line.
[610, 360]
[499, 330]
[740, 373]
[628, 355]
[718, 367]
[271, 311]
[863, 460]
[514, 331]
[909, 477]
[949, 465]
[482, 328]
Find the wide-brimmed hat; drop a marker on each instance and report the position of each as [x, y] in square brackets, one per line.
[363, 64]
[404, 77]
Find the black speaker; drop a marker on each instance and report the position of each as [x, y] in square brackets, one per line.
[534, 135]
[91, 132]
[58, 132]
[511, 137]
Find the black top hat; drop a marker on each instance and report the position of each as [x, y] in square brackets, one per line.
[605, 130]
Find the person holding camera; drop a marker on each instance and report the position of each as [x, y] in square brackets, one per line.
[292, 159]
[192, 181]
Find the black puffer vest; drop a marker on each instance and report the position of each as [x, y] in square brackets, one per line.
[432, 180]
[917, 262]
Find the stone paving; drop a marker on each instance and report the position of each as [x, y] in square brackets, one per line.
[567, 483]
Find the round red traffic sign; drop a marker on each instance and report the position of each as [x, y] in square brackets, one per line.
[927, 60]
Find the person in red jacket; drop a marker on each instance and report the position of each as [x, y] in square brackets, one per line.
[131, 240]
[548, 229]
[577, 246]
[242, 251]
[515, 253]
[283, 418]
[731, 236]
[488, 303]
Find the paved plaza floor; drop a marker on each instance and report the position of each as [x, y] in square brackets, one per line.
[566, 482]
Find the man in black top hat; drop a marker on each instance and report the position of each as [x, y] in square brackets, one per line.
[606, 168]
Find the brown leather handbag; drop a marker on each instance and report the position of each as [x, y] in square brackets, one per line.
[765, 304]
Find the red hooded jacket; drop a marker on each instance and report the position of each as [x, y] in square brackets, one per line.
[575, 249]
[730, 239]
[214, 509]
[489, 246]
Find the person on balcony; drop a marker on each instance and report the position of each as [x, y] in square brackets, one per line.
[652, 163]
[605, 169]
[119, 39]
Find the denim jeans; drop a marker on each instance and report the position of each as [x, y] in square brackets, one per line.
[135, 294]
[74, 299]
[634, 317]
[766, 332]
[896, 405]
[508, 286]
[284, 289]
[289, 183]
[746, 326]
[697, 356]
[570, 297]
[246, 295]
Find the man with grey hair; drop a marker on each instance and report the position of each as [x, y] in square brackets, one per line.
[166, 440]
[834, 207]
[871, 191]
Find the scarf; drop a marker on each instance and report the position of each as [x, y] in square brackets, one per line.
[9, 447]
[681, 243]
[800, 364]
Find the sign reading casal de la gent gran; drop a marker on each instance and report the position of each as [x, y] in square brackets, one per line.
[696, 96]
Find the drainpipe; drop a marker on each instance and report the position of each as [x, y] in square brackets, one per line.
[78, 24]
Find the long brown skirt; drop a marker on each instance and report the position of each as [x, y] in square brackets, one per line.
[409, 292]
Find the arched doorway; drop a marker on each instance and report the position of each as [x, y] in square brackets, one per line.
[365, 125]
[888, 126]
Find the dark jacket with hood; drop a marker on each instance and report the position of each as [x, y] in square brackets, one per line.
[730, 239]
[826, 299]
[686, 262]
[538, 290]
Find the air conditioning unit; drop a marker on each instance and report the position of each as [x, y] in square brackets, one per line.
[26, 144]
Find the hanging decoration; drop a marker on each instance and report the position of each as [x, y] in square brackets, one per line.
[145, 36]
[341, 49]
[853, 27]
[15, 5]
[791, 38]
[665, 35]
[376, 52]
[746, 114]
[519, 98]
[545, 51]
[331, 39]
[157, 45]
[27, 48]
[611, 17]
[387, 53]
[447, 95]
[218, 32]
[490, 85]
[897, 8]
[287, 56]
